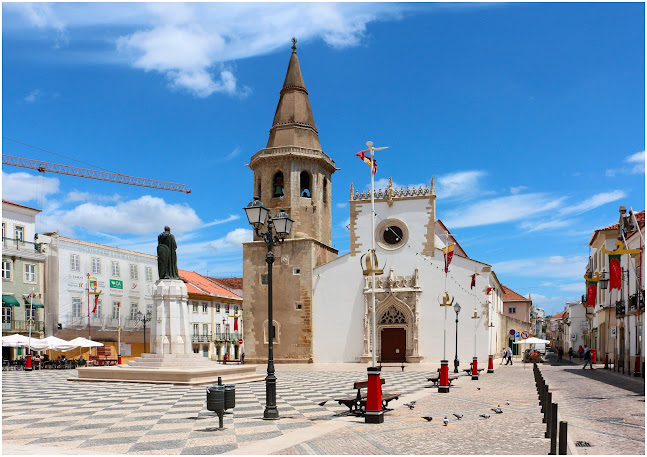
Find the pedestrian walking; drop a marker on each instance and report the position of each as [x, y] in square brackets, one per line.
[570, 354]
[504, 355]
[560, 354]
[509, 356]
[587, 359]
[580, 351]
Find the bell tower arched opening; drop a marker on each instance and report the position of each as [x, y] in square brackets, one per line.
[304, 184]
[277, 184]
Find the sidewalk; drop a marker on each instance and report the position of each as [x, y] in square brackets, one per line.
[603, 408]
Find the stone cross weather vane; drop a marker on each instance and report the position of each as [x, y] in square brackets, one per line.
[294, 44]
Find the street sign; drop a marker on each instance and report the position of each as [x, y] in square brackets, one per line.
[516, 335]
[512, 332]
[525, 335]
[240, 341]
[613, 331]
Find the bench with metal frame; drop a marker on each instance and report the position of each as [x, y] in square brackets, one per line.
[357, 404]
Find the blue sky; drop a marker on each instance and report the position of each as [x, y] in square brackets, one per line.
[530, 117]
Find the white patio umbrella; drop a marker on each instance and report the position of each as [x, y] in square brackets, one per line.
[59, 344]
[16, 340]
[532, 340]
[85, 343]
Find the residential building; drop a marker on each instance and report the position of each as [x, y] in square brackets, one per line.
[215, 317]
[538, 322]
[515, 305]
[124, 278]
[23, 275]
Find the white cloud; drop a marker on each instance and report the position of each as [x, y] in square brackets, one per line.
[232, 241]
[551, 305]
[79, 196]
[342, 205]
[569, 267]
[32, 96]
[24, 187]
[459, 184]
[554, 224]
[636, 163]
[141, 216]
[593, 202]
[231, 217]
[517, 189]
[498, 210]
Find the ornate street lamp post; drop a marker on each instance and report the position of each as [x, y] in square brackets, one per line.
[144, 318]
[457, 308]
[278, 228]
[604, 283]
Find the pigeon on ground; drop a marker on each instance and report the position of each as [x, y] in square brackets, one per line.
[484, 416]
[323, 403]
[458, 416]
[507, 402]
[410, 405]
[497, 410]
[478, 388]
[445, 421]
[428, 418]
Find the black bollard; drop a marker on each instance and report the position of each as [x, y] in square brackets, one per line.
[553, 429]
[546, 420]
[563, 435]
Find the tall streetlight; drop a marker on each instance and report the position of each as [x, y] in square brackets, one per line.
[457, 308]
[278, 228]
[604, 283]
[144, 318]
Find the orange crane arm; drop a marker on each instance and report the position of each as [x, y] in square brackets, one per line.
[92, 174]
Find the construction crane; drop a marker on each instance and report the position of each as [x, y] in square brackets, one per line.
[43, 167]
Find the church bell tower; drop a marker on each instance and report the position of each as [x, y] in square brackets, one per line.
[294, 174]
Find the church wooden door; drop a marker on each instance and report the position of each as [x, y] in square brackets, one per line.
[394, 345]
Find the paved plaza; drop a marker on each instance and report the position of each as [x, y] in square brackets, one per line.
[42, 412]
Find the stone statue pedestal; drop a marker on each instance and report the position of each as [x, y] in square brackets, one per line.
[170, 319]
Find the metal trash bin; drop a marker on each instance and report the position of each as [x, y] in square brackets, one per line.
[230, 396]
[216, 398]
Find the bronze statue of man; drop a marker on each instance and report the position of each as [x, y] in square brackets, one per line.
[166, 255]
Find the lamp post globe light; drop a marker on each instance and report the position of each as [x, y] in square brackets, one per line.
[144, 318]
[278, 228]
[457, 308]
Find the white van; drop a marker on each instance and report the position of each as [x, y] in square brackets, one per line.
[541, 348]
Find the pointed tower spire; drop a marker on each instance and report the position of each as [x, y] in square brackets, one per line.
[294, 124]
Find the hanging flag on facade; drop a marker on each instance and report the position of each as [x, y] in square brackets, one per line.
[448, 254]
[489, 290]
[591, 292]
[96, 302]
[614, 272]
[367, 160]
[235, 323]
[473, 281]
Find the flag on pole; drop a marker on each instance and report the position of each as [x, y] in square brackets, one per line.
[489, 290]
[367, 160]
[614, 272]
[448, 254]
[96, 302]
[591, 291]
[473, 281]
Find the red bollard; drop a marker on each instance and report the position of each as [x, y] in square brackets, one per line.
[490, 364]
[119, 359]
[637, 366]
[374, 413]
[475, 369]
[28, 366]
[443, 382]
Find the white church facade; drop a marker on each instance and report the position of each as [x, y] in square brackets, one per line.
[409, 318]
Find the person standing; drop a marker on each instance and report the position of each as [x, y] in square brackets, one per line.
[509, 356]
[587, 359]
[580, 351]
[570, 354]
[560, 354]
[504, 355]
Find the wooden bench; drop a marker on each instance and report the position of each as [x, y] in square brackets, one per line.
[469, 370]
[396, 366]
[357, 404]
[435, 378]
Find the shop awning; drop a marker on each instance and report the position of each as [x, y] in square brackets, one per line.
[9, 300]
[35, 303]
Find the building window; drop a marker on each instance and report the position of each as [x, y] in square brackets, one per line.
[205, 329]
[217, 307]
[115, 309]
[30, 272]
[149, 309]
[204, 308]
[258, 188]
[149, 274]
[277, 185]
[98, 312]
[512, 309]
[76, 306]
[115, 269]
[218, 329]
[74, 262]
[134, 309]
[4, 231]
[264, 279]
[227, 308]
[6, 314]
[96, 265]
[133, 272]
[195, 307]
[196, 329]
[325, 190]
[30, 313]
[304, 180]
[20, 233]
[6, 269]
[235, 309]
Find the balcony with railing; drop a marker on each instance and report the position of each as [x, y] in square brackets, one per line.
[101, 322]
[16, 244]
[22, 326]
[620, 308]
[227, 336]
[636, 302]
[201, 338]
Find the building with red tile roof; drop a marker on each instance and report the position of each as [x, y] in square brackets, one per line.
[516, 305]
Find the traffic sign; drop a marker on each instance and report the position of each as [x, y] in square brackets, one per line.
[240, 341]
[525, 335]
[516, 335]
[512, 332]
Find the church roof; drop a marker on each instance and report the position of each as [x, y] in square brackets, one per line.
[294, 124]
[197, 284]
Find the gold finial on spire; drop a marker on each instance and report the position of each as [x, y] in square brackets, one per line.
[294, 44]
